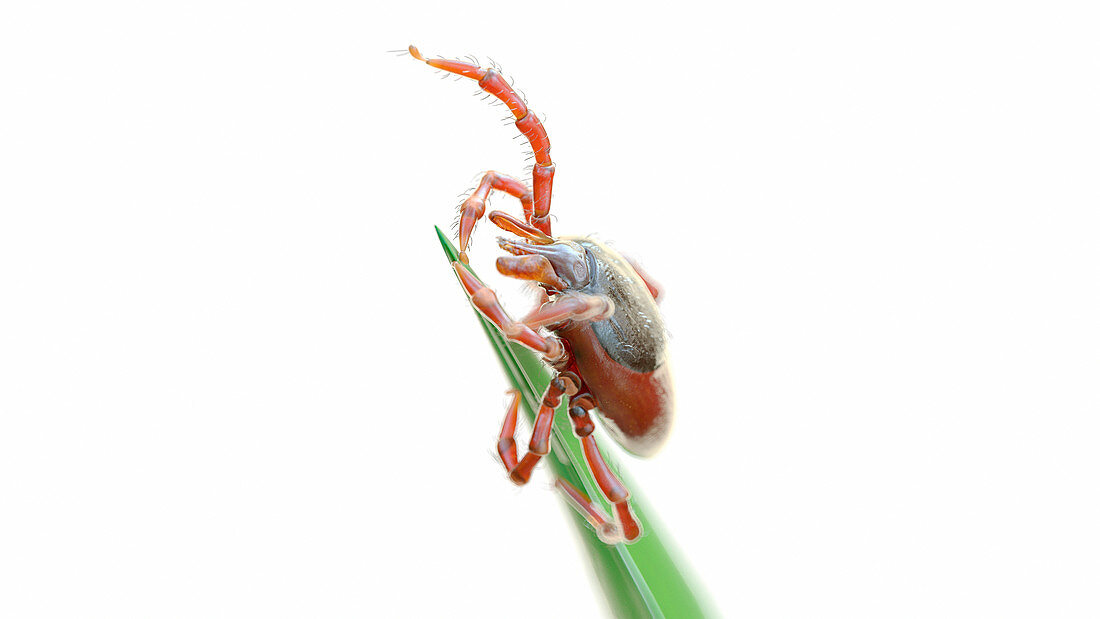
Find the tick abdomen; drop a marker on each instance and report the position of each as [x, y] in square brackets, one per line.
[624, 359]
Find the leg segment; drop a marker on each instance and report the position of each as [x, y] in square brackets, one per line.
[606, 530]
[508, 223]
[529, 125]
[519, 470]
[576, 306]
[474, 206]
[654, 289]
[485, 300]
[627, 526]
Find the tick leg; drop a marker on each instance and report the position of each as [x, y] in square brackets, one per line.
[654, 289]
[474, 206]
[531, 234]
[627, 527]
[528, 124]
[575, 306]
[605, 528]
[486, 302]
[519, 469]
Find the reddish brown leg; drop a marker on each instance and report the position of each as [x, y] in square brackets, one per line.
[627, 528]
[654, 289]
[576, 306]
[474, 206]
[485, 300]
[529, 125]
[572, 306]
[506, 222]
[519, 470]
[605, 528]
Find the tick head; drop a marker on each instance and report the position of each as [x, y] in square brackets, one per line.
[559, 265]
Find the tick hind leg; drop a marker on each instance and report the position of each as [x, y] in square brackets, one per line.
[519, 470]
[625, 525]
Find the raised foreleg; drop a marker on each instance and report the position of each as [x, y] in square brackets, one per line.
[542, 174]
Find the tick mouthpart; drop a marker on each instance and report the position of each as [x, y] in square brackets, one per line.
[533, 268]
[566, 257]
[506, 222]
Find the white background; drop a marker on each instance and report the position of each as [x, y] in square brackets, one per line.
[238, 379]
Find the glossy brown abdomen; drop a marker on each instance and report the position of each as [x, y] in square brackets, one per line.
[623, 360]
[636, 407]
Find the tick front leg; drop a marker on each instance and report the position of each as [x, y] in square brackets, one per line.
[574, 306]
[474, 206]
[486, 302]
[625, 526]
[542, 174]
[519, 470]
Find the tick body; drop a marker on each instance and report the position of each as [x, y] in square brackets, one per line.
[599, 326]
[624, 358]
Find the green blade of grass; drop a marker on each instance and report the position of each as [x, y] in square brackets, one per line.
[640, 579]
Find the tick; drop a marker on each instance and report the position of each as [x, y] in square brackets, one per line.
[598, 326]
